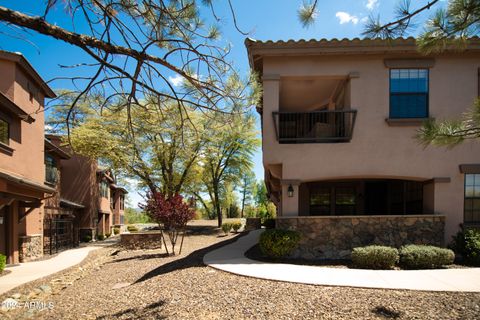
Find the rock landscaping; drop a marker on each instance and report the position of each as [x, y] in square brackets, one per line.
[114, 283]
[334, 237]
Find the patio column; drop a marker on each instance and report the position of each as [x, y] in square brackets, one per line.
[290, 199]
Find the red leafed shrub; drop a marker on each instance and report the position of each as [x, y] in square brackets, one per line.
[172, 212]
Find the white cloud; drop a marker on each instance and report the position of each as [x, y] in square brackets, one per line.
[371, 4]
[176, 81]
[346, 17]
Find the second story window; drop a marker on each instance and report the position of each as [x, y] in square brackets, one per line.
[50, 169]
[408, 93]
[4, 131]
[104, 188]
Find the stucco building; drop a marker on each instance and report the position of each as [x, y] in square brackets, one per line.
[84, 182]
[341, 162]
[22, 170]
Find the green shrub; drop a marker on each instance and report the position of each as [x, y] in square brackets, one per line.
[116, 230]
[374, 257]
[100, 237]
[226, 227]
[3, 261]
[87, 238]
[132, 228]
[236, 226]
[425, 257]
[278, 243]
[467, 244]
[107, 235]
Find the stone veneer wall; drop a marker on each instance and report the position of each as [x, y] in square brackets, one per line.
[141, 240]
[30, 247]
[334, 237]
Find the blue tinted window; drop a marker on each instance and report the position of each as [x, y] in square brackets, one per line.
[408, 93]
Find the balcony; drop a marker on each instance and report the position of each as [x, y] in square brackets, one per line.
[328, 126]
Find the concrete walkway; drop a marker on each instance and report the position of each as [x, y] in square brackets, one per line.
[30, 271]
[231, 258]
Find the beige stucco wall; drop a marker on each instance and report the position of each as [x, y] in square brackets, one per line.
[376, 149]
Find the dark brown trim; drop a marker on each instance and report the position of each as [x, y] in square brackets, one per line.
[406, 122]
[27, 183]
[52, 148]
[469, 168]
[6, 149]
[14, 109]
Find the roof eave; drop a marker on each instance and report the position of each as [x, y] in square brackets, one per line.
[26, 66]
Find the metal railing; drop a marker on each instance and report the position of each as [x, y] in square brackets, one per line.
[314, 127]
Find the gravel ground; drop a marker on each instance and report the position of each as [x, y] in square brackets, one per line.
[113, 284]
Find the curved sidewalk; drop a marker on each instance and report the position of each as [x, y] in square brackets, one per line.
[231, 258]
[30, 271]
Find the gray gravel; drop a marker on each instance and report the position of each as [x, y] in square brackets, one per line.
[148, 285]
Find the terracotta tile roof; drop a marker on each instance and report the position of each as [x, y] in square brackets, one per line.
[257, 49]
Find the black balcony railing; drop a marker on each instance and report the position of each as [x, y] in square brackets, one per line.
[314, 127]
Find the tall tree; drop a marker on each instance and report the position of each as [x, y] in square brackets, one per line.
[228, 152]
[157, 144]
[247, 187]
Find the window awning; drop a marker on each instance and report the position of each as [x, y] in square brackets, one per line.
[70, 204]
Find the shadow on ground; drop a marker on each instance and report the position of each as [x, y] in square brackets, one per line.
[194, 259]
[152, 310]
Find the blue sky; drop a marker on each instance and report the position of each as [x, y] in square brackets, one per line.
[263, 19]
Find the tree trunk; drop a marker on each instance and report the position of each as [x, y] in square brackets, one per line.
[243, 201]
[217, 204]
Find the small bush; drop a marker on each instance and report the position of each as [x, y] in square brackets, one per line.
[425, 257]
[3, 262]
[108, 235]
[269, 223]
[226, 227]
[86, 238]
[132, 228]
[278, 243]
[374, 257]
[116, 230]
[467, 244]
[236, 226]
[100, 237]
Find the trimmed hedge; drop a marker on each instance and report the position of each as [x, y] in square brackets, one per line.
[277, 243]
[132, 228]
[236, 226]
[425, 257]
[467, 244]
[375, 257]
[116, 230]
[3, 262]
[86, 238]
[226, 227]
[100, 237]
